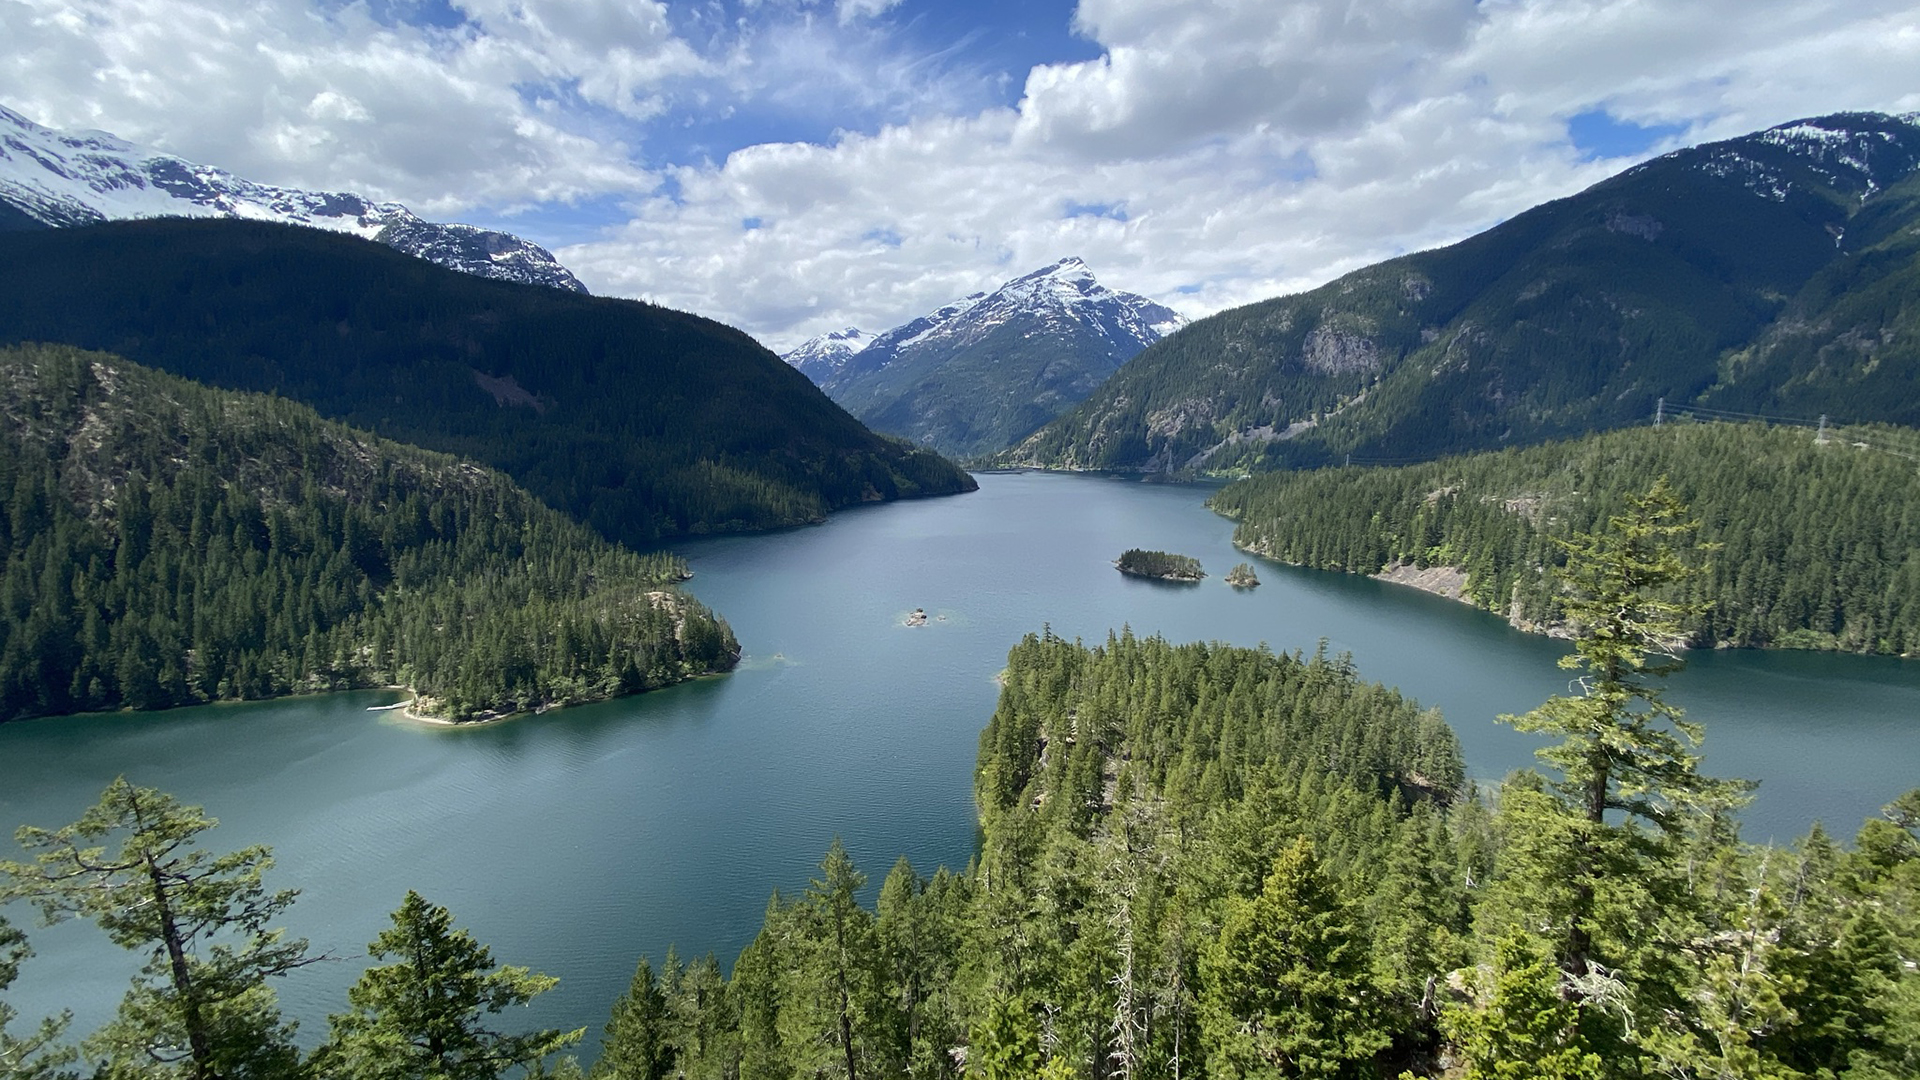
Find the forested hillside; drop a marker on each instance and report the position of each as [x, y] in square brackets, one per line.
[1816, 542]
[1196, 861]
[641, 421]
[1214, 862]
[1776, 272]
[1134, 798]
[166, 544]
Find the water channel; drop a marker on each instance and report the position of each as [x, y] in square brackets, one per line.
[575, 841]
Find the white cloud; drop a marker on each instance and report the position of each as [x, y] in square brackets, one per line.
[280, 91]
[1256, 148]
[1253, 146]
[854, 10]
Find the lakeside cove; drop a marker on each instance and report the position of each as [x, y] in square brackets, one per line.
[616, 828]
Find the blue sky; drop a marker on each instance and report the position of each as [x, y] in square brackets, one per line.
[796, 166]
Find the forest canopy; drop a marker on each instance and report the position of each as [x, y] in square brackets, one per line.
[1814, 542]
[166, 544]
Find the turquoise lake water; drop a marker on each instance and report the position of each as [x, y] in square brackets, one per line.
[575, 841]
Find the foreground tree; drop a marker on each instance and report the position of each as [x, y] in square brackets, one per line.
[637, 1044]
[422, 1017]
[201, 1006]
[1287, 987]
[1624, 749]
[35, 1056]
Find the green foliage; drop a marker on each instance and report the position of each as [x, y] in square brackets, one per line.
[1812, 545]
[36, 1056]
[166, 544]
[201, 1007]
[1622, 746]
[637, 1044]
[1671, 280]
[637, 420]
[424, 1017]
[1288, 993]
[1159, 564]
[1134, 799]
[1525, 1029]
[1006, 1046]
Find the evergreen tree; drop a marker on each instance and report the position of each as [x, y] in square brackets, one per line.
[637, 1044]
[1006, 1045]
[201, 1007]
[1287, 987]
[424, 1016]
[1623, 747]
[824, 1024]
[1525, 1029]
[26, 1057]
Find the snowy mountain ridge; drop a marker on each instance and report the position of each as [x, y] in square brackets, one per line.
[1065, 292]
[988, 367]
[69, 178]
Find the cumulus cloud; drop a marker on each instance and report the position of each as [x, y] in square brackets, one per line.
[1255, 148]
[282, 91]
[1236, 149]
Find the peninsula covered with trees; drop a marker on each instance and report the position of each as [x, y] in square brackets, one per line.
[1813, 542]
[1196, 861]
[1159, 564]
[167, 544]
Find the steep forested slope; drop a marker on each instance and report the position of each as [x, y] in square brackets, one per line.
[165, 544]
[642, 421]
[1818, 542]
[1773, 270]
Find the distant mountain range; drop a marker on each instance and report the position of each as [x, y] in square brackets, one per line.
[65, 178]
[984, 371]
[1776, 273]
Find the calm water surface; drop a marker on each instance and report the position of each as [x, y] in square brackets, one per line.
[576, 841]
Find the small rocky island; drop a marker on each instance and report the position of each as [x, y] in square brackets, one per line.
[918, 617]
[1161, 565]
[1242, 576]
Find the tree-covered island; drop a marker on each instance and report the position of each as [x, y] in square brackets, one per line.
[1242, 576]
[1159, 564]
[169, 544]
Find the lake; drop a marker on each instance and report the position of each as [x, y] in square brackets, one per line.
[575, 841]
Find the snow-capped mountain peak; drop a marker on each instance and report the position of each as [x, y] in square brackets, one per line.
[964, 376]
[69, 178]
[821, 356]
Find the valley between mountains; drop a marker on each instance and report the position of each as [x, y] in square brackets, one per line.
[258, 442]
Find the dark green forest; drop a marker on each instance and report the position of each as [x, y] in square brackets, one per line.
[1204, 861]
[1159, 564]
[1680, 279]
[640, 421]
[167, 544]
[1195, 861]
[1817, 544]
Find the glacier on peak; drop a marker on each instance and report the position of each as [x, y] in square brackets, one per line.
[71, 178]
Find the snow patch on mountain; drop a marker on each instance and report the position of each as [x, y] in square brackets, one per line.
[70, 178]
[820, 357]
[1053, 296]
[1859, 153]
